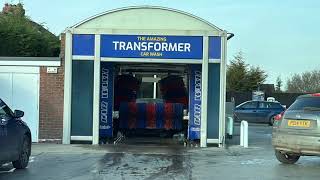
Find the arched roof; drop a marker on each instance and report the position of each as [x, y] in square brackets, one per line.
[147, 17]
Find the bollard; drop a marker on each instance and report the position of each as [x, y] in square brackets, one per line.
[244, 134]
[241, 134]
[229, 127]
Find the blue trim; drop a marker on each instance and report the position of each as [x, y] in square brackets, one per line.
[83, 44]
[214, 47]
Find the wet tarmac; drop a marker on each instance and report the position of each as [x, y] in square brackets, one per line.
[154, 161]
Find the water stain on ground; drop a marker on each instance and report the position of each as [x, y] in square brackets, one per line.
[173, 165]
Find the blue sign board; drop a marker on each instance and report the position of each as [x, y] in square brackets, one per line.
[151, 46]
[83, 44]
[214, 47]
[106, 99]
[195, 101]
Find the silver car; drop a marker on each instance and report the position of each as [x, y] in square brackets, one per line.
[296, 132]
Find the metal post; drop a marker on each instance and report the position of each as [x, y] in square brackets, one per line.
[67, 88]
[96, 92]
[241, 134]
[204, 93]
[154, 88]
[222, 89]
[244, 134]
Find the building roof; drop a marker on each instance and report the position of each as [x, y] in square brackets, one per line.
[167, 14]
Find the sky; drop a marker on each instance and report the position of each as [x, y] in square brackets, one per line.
[281, 37]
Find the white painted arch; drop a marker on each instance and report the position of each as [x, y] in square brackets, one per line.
[146, 17]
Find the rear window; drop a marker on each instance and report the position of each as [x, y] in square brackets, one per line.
[249, 105]
[306, 103]
[270, 105]
[275, 105]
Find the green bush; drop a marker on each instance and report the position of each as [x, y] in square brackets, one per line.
[19, 36]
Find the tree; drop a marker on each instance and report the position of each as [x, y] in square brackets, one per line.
[236, 73]
[307, 82]
[278, 84]
[20, 36]
[242, 77]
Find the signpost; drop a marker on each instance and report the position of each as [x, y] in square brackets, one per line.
[106, 100]
[195, 95]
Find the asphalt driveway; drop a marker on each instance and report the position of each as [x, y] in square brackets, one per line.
[85, 162]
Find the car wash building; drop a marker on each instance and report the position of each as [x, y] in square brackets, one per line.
[143, 70]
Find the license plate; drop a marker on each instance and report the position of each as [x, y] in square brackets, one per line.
[299, 123]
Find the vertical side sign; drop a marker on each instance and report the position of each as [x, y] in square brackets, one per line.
[106, 100]
[194, 102]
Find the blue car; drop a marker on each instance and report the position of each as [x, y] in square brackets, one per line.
[258, 111]
[15, 138]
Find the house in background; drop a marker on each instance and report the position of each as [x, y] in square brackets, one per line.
[32, 84]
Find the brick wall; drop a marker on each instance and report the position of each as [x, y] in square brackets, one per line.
[51, 101]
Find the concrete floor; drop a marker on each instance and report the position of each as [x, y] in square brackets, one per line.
[152, 161]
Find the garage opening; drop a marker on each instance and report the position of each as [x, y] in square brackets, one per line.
[150, 103]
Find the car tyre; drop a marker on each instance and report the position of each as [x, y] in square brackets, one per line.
[271, 121]
[24, 154]
[286, 158]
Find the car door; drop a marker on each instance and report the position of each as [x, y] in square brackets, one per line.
[247, 111]
[9, 142]
[4, 138]
[263, 112]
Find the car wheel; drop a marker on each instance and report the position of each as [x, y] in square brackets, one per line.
[24, 154]
[286, 158]
[271, 121]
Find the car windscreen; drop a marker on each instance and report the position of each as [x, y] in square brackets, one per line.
[312, 104]
[4, 110]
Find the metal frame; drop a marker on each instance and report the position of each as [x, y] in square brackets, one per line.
[96, 92]
[97, 60]
[204, 93]
[223, 83]
[155, 88]
[221, 140]
[151, 60]
[81, 138]
[83, 57]
[213, 141]
[67, 89]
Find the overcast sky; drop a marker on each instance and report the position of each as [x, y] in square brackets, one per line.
[282, 37]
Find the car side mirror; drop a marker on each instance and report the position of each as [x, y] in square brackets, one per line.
[18, 113]
[3, 121]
